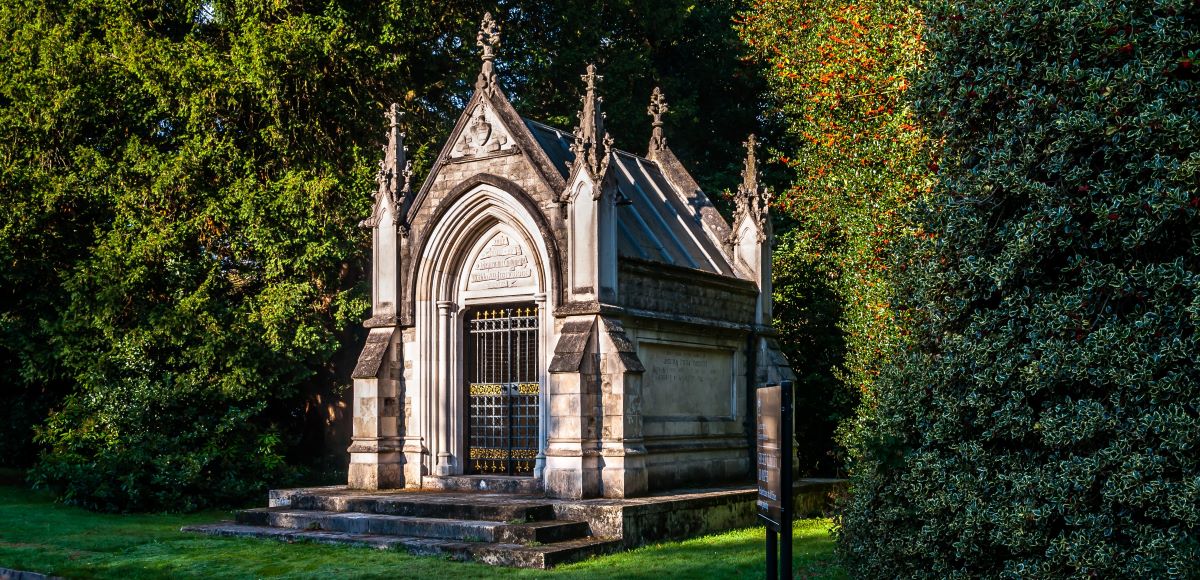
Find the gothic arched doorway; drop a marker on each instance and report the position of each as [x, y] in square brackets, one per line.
[503, 388]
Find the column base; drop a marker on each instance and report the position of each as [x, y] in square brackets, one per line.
[445, 465]
[414, 468]
[624, 475]
[573, 476]
[376, 471]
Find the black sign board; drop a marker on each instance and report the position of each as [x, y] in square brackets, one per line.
[774, 451]
[770, 439]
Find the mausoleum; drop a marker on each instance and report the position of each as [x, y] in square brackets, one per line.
[546, 306]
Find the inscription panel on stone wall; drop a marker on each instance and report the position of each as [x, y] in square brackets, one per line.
[503, 263]
[686, 382]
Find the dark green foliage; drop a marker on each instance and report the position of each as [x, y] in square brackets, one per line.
[185, 195]
[183, 275]
[808, 314]
[1046, 421]
[687, 48]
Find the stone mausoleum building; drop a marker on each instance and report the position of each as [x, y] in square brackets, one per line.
[546, 306]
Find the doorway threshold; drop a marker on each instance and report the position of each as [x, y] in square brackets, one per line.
[511, 484]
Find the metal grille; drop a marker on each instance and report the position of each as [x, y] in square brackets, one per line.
[502, 394]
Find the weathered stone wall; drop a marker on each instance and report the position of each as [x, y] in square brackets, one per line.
[693, 402]
[664, 289]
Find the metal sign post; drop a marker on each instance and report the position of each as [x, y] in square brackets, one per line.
[774, 474]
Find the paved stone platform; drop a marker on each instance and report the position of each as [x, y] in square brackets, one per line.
[509, 529]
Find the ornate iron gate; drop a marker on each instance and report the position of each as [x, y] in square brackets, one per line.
[502, 392]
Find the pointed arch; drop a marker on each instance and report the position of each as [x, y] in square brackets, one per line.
[467, 212]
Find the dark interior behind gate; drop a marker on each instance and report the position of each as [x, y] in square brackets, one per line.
[502, 389]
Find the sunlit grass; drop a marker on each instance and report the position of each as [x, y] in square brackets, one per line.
[39, 535]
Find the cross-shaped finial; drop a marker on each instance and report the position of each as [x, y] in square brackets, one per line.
[591, 77]
[489, 36]
[658, 106]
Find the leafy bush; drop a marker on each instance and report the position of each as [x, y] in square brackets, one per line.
[1046, 420]
[199, 198]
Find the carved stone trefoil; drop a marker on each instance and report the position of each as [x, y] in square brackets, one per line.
[394, 178]
[487, 39]
[752, 199]
[593, 144]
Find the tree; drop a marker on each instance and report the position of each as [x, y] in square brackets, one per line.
[689, 49]
[1044, 422]
[182, 183]
[856, 158]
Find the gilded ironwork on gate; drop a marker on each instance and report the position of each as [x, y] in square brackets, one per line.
[502, 395]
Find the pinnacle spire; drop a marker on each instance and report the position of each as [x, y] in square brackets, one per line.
[398, 167]
[488, 39]
[592, 141]
[658, 106]
[752, 198]
[750, 167]
[395, 170]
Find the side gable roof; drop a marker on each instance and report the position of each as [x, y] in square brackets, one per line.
[660, 222]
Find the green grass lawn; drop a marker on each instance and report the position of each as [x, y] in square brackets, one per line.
[39, 535]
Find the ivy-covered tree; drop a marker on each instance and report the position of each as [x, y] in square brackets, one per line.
[855, 158]
[1046, 420]
[183, 275]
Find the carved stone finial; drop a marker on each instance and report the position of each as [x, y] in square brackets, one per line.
[395, 171]
[487, 39]
[658, 106]
[752, 199]
[592, 142]
[393, 116]
[750, 168]
[591, 77]
[407, 173]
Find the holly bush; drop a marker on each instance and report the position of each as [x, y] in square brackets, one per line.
[856, 158]
[1045, 419]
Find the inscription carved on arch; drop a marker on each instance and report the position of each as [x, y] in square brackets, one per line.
[503, 263]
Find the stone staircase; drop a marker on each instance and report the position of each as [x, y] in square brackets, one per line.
[501, 528]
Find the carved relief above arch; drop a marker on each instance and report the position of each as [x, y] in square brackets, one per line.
[500, 264]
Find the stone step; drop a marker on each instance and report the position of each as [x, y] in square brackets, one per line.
[502, 554]
[510, 484]
[437, 528]
[465, 506]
